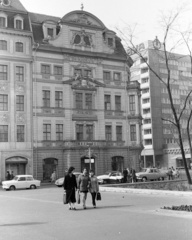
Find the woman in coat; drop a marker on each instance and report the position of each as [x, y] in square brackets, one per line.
[94, 187]
[83, 185]
[70, 186]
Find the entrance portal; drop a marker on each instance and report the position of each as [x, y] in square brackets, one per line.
[17, 165]
[49, 165]
[117, 163]
[87, 163]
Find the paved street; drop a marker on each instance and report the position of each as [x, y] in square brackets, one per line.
[40, 215]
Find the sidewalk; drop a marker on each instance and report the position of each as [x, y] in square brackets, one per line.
[146, 191]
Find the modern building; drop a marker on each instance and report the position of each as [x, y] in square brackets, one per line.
[160, 139]
[78, 107]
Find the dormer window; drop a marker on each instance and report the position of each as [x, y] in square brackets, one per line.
[110, 42]
[18, 22]
[3, 19]
[50, 32]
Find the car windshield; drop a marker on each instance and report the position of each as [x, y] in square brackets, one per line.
[144, 170]
[15, 178]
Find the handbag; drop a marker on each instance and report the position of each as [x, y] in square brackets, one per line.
[64, 198]
[98, 196]
[78, 197]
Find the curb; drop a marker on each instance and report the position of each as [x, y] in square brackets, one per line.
[146, 191]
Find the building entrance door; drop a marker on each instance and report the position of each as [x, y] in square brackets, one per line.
[87, 163]
[50, 165]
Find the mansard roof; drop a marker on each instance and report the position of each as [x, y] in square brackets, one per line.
[15, 5]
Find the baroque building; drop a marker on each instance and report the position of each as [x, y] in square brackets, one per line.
[78, 106]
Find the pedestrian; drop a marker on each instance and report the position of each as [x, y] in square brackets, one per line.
[133, 175]
[125, 174]
[94, 187]
[169, 173]
[53, 177]
[12, 175]
[8, 176]
[70, 186]
[83, 185]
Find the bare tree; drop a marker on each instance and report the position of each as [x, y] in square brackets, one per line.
[181, 38]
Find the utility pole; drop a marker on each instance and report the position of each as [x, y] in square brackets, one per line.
[89, 154]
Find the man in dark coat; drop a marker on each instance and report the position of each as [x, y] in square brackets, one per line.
[70, 186]
[125, 174]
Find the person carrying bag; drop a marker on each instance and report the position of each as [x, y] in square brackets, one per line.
[94, 188]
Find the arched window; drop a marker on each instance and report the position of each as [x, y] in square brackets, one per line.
[77, 39]
[19, 47]
[18, 22]
[3, 19]
[3, 45]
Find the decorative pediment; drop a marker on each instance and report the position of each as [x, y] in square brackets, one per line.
[83, 18]
[84, 83]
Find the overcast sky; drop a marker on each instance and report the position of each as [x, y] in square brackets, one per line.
[115, 13]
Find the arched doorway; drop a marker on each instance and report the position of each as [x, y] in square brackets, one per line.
[16, 164]
[88, 163]
[117, 163]
[49, 165]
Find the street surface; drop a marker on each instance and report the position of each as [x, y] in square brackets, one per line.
[40, 215]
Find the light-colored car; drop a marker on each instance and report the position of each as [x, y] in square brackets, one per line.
[21, 181]
[151, 174]
[110, 177]
[59, 182]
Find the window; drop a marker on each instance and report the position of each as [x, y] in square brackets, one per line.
[148, 142]
[3, 102]
[83, 72]
[117, 103]
[45, 69]
[144, 70]
[58, 70]
[46, 98]
[146, 100]
[79, 132]
[108, 133]
[20, 133]
[19, 103]
[83, 100]
[147, 131]
[117, 76]
[2, 22]
[84, 132]
[19, 73]
[19, 47]
[46, 132]
[106, 75]
[147, 121]
[119, 133]
[87, 40]
[132, 103]
[18, 24]
[88, 101]
[58, 99]
[3, 133]
[107, 99]
[3, 45]
[89, 132]
[77, 39]
[3, 72]
[146, 111]
[59, 132]
[79, 100]
[110, 42]
[50, 32]
[133, 132]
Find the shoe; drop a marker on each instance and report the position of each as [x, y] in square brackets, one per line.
[94, 206]
[74, 208]
[84, 207]
[70, 208]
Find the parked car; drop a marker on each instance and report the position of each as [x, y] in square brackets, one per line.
[21, 181]
[110, 177]
[151, 174]
[59, 182]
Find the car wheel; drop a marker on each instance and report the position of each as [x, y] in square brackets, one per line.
[144, 179]
[12, 187]
[33, 187]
